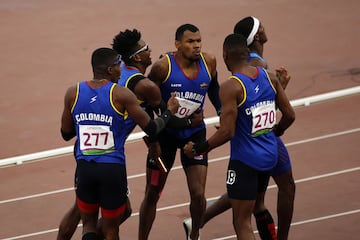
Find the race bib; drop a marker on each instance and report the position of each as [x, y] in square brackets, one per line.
[263, 119]
[96, 139]
[186, 108]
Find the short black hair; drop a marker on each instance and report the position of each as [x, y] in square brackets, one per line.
[102, 58]
[244, 26]
[125, 42]
[185, 27]
[235, 45]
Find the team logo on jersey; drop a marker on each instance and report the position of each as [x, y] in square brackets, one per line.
[257, 88]
[231, 176]
[93, 99]
[204, 86]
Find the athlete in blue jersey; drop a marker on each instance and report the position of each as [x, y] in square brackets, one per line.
[136, 58]
[191, 74]
[253, 30]
[248, 119]
[95, 112]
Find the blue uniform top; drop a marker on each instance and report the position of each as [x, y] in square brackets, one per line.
[101, 129]
[127, 73]
[191, 90]
[254, 142]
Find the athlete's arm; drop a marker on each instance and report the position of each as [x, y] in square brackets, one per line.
[213, 91]
[283, 103]
[124, 99]
[67, 124]
[231, 94]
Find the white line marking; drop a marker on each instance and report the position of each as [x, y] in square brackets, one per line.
[222, 238]
[305, 221]
[212, 198]
[180, 167]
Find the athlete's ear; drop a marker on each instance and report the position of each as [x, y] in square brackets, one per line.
[177, 44]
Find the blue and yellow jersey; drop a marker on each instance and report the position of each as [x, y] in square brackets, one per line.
[101, 129]
[191, 92]
[254, 142]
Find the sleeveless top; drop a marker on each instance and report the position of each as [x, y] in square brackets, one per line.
[127, 73]
[100, 127]
[190, 92]
[254, 142]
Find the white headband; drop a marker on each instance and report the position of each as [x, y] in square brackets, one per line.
[254, 30]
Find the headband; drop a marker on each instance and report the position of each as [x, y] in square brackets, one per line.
[254, 30]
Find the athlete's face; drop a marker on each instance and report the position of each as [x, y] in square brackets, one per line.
[142, 53]
[189, 45]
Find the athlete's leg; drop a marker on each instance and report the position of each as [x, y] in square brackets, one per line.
[155, 182]
[196, 180]
[283, 177]
[219, 206]
[285, 204]
[242, 210]
[122, 218]
[69, 223]
[264, 221]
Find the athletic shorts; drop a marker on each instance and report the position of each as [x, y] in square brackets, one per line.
[169, 145]
[283, 163]
[244, 182]
[101, 185]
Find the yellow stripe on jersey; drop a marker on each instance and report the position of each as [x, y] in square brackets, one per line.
[169, 69]
[243, 86]
[76, 97]
[125, 114]
[206, 67]
[271, 84]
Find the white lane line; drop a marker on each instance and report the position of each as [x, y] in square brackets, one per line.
[222, 238]
[305, 221]
[180, 167]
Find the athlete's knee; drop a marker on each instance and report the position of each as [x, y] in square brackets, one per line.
[152, 195]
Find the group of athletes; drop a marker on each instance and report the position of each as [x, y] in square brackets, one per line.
[168, 105]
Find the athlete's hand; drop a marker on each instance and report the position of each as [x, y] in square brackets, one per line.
[154, 153]
[188, 149]
[197, 118]
[283, 76]
[173, 104]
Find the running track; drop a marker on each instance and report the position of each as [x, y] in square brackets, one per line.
[51, 43]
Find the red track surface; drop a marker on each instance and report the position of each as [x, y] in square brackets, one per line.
[46, 46]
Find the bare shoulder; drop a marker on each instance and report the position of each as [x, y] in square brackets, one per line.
[159, 70]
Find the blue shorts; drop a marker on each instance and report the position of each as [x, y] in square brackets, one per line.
[283, 164]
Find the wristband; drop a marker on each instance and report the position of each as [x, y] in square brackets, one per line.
[200, 148]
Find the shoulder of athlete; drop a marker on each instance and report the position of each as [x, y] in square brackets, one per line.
[274, 80]
[70, 95]
[159, 71]
[123, 97]
[147, 90]
[210, 60]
